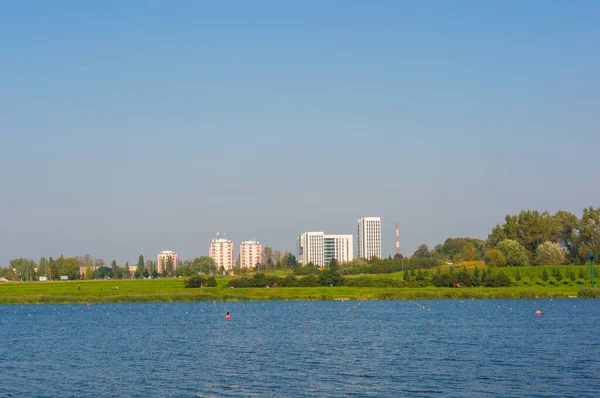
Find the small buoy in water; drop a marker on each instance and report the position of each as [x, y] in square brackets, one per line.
[58, 324]
[228, 316]
[538, 312]
[181, 323]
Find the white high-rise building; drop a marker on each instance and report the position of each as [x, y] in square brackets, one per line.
[320, 249]
[369, 237]
[310, 248]
[339, 247]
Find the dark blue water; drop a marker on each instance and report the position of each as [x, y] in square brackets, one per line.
[369, 348]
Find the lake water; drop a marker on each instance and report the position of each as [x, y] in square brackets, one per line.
[369, 348]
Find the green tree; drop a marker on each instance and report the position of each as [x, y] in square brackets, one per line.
[469, 253]
[43, 267]
[140, 266]
[515, 254]
[89, 273]
[556, 274]
[517, 275]
[420, 276]
[330, 277]
[549, 253]
[545, 275]
[422, 252]
[567, 235]
[115, 269]
[589, 230]
[406, 276]
[333, 264]
[571, 275]
[146, 274]
[291, 261]
[581, 274]
[23, 268]
[495, 258]
[476, 274]
[169, 265]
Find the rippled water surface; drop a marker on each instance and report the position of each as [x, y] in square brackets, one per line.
[369, 348]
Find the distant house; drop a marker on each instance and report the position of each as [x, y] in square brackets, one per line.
[3, 279]
[64, 278]
[43, 278]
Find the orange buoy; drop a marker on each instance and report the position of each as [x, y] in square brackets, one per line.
[181, 323]
[538, 312]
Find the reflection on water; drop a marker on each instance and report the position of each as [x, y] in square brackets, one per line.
[369, 348]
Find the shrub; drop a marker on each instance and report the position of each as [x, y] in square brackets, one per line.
[330, 277]
[199, 280]
[495, 258]
[308, 281]
[289, 281]
[549, 253]
[497, 280]
[514, 253]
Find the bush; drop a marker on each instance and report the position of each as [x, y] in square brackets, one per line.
[308, 269]
[496, 280]
[495, 258]
[330, 277]
[515, 254]
[549, 253]
[289, 281]
[442, 280]
[199, 280]
[308, 281]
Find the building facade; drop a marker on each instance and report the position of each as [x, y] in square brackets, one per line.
[250, 254]
[319, 248]
[369, 237]
[339, 247]
[221, 251]
[310, 248]
[165, 259]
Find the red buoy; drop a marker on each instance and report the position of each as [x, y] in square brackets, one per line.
[538, 312]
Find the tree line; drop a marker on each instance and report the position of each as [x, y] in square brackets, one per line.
[528, 238]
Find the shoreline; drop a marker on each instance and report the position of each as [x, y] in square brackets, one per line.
[286, 294]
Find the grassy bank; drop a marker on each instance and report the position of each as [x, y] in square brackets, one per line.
[171, 290]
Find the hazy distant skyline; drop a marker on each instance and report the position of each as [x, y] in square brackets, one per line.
[135, 127]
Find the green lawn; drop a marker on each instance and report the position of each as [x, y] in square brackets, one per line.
[166, 290]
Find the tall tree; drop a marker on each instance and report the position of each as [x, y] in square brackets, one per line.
[589, 230]
[422, 252]
[140, 265]
[114, 268]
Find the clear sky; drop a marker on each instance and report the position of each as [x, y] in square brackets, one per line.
[131, 127]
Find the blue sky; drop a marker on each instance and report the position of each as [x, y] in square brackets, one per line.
[134, 127]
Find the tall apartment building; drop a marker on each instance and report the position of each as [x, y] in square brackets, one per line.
[250, 253]
[369, 237]
[339, 247]
[163, 260]
[310, 248]
[221, 251]
[319, 248]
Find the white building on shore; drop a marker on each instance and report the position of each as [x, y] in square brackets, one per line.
[319, 248]
[369, 237]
